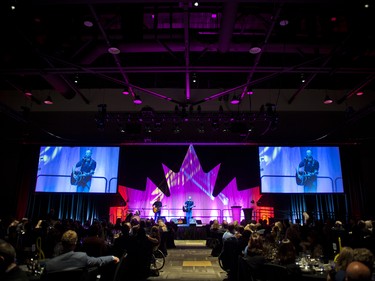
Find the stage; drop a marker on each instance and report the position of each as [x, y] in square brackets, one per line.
[191, 232]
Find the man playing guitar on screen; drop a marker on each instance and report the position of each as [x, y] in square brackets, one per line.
[82, 172]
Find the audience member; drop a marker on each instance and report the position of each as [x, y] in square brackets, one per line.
[358, 271]
[9, 271]
[72, 260]
[94, 245]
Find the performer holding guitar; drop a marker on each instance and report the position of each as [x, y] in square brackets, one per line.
[156, 208]
[188, 208]
[307, 173]
[82, 172]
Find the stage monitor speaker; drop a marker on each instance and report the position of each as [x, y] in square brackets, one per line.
[193, 221]
[248, 213]
[174, 220]
[163, 219]
[199, 221]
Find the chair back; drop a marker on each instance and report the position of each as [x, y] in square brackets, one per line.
[275, 272]
[120, 269]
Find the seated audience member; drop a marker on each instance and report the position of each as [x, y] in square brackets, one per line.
[215, 226]
[9, 271]
[94, 245]
[343, 259]
[254, 256]
[364, 256]
[163, 230]
[139, 255]
[229, 233]
[358, 271]
[121, 243]
[286, 256]
[73, 260]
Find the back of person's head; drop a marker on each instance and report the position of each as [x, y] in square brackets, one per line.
[7, 255]
[94, 230]
[224, 224]
[358, 271]
[364, 256]
[286, 252]
[255, 244]
[69, 240]
[344, 258]
[231, 228]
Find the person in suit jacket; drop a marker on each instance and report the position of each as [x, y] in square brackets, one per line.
[70, 260]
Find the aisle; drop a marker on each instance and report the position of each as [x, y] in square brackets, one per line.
[190, 260]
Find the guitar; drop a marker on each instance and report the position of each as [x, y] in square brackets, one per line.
[302, 177]
[186, 208]
[77, 176]
[157, 209]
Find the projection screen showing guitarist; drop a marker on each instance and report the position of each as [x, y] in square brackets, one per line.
[83, 171]
[307, 173]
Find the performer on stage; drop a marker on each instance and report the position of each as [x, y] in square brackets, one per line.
[188, 208]
[156, 208]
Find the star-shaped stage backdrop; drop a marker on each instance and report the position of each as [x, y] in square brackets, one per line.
[226, 178]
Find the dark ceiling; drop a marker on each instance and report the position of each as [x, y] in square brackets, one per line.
[47, 48]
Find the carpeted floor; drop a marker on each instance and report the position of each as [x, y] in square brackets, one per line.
[191, 260]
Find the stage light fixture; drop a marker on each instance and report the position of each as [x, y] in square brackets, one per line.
[235, 100]
[137, 99]
[201, 129]
[177, 129]
[255, 50]
[28, 93]
[327, 100]
[250, 91]
[284, 22]
[48, 100]
[125, 91]
[114, 50]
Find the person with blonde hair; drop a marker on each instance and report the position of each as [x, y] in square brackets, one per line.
[70, 260]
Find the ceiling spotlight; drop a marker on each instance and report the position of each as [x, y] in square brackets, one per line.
[235, 100]
[48, 100]
[113, 50]
[196, 4]
[194, 78]
[303, 80]
[137, 99]
[177, 129]
[250, 91]
[360, 93]
[28, 93]
[125, 91]
[284, 22]
[88, 23]
[327, 100]
[255, 50]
